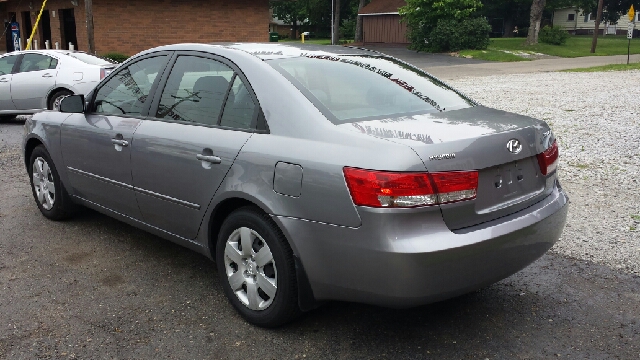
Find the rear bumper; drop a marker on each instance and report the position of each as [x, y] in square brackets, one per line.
[401, 258]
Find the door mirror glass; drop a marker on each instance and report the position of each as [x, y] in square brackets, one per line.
[72, 104]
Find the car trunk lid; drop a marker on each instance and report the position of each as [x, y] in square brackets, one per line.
[476, 138]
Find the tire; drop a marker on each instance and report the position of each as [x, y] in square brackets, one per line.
[258, 302]
[56, 204]
[54, 101]
[7, 118]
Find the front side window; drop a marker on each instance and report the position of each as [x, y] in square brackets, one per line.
[37, 62]
[6, 64]
[127, 91]
[355, 88]
[195, 91]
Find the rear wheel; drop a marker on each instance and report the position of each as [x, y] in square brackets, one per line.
[51, 197]
[256, 268]
[54, 101]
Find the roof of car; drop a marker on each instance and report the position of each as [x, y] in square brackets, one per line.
[266, 51]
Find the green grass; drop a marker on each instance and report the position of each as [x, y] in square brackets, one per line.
[635, 217]
[576, 46]
[612, 67]
[491, 55]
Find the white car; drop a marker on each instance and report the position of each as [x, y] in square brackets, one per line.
[35, 80]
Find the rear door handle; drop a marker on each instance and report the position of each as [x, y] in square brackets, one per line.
[4, 80]
[47, 75]
[120, 142]
[209, 158]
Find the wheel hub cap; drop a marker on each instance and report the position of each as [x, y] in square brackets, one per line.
[250, 269]
[43, 183]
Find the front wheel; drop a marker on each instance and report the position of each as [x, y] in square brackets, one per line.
[51, 197]
[256, 268]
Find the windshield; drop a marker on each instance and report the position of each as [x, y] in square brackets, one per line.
[89, 59]
[355, 88]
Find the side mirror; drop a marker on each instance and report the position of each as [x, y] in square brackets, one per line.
[72, 104]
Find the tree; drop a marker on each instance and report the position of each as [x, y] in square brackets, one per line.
[422, 16]
[537, 7]
[290, 12]
[335, 36]
[514, 13]
[359, 35]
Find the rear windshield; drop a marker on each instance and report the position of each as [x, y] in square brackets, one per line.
[89, 59]
[355, 88]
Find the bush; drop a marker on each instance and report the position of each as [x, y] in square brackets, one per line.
[453, 35]
[115, 57]
[348, 29]
[553, 35]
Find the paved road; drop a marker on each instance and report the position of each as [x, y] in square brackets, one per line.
[94, 288]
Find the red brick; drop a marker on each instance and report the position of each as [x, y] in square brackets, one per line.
[129, 27]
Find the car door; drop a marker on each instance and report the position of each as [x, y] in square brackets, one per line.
[181, 155]
[96, 145]
[7, 64]
[35, 77]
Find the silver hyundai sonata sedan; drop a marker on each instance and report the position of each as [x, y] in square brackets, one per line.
[307, 173]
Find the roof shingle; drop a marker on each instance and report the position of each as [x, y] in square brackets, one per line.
[382, 7]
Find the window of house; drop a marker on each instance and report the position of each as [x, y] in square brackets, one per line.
[195, 91]
[571, 17]
[127, 91]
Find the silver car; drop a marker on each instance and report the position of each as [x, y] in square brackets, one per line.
[307, 173]
[31, 81]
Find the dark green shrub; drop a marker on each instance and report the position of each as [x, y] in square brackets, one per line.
[553, 35]
[115, 57]
[453, 35]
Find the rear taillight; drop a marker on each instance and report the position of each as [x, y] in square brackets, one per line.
[409, 189]
[104, 73]
[548, 159]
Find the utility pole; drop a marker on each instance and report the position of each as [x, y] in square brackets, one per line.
[595, 32]
[88, 10]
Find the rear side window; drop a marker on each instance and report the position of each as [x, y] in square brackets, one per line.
[239, 110]
[196, 91]
[89, 59]
[355, 88]
[6, 64]
[37, 62]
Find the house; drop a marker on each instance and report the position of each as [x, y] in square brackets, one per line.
[575, 22]
[381, 22]
[132, 26]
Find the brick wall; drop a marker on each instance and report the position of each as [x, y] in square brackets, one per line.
[3, 17]
[132, 26]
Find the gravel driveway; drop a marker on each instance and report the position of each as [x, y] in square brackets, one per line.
[596, 118]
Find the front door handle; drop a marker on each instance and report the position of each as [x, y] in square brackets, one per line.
[120, 142]
[209, 158]
[47, 75]
[4, 80]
